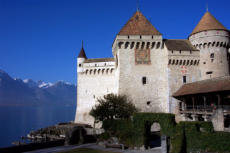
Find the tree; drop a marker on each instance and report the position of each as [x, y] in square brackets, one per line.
[113, 106]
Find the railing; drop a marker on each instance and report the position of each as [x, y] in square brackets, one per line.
[203, 109]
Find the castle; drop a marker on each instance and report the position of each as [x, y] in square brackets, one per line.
[150, 69]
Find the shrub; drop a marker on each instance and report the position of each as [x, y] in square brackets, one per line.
[113, 106]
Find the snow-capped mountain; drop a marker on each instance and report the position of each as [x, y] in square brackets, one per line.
[29, 92]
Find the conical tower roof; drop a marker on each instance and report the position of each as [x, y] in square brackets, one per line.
[208, 22]
[82, 53]
[138, 25]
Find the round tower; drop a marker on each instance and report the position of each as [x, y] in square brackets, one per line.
[81, 59]
[212, 39]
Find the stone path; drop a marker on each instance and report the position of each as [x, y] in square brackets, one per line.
[93, 146]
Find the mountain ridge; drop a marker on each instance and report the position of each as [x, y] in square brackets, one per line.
[18, 92]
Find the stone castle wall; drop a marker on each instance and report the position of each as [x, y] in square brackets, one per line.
[152, 96]
[183, 68]
[95, 81]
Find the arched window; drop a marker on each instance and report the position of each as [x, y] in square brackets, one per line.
[111, 70]
[126, 45]
[148, 44]
[142, 45]
[213, 44]
[195, 62]
[177, 62]
[187, 62]
[107, 71]
[170, 61]
[103, 71]
[99, 71]
[221, 44]
[86, 72]
[158, 45]
[137, 45]
[191, 62]
[184, 62]
[95, 71]
[153, 44]
[120, 44]
[132, 45]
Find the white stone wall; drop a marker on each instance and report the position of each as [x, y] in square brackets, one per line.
[155, 91]
[96, 80]
[212, 42]
[181, 63]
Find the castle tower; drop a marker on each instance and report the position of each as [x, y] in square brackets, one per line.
[212, 39]
[141, 63]
[80, 60]
[80, 70]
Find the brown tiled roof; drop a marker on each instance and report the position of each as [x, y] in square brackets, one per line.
[82, 53]
[179, 44]
[208, 22]
[204, 86]
[138, 25]
[92, 60]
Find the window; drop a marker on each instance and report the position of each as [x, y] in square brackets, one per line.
[210, 72]
[184, 79]
[143, 80]
[212, 55]
[148, 102]
[79, 65]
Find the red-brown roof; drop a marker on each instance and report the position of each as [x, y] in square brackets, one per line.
[208, 22]
[179, 44]
[82, 53]
[138, 25]
[204, 86]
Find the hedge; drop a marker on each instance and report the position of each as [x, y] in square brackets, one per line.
[184, 136]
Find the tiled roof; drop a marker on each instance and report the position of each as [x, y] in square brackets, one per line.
[82, 53]
[92, 60]
[204, 86]
[138, 25]
[179, 44]
[208, 22]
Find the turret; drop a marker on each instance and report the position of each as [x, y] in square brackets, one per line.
[212, 39]
[81, 59]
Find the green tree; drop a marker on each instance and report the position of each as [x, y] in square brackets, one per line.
[113, 106]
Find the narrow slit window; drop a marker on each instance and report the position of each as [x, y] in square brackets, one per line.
[184, 79]
[144, 80]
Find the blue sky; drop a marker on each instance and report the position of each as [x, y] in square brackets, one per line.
[40, 39]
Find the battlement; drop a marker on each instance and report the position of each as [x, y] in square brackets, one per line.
[98, 66]
[131, 44]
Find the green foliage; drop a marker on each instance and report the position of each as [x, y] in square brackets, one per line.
[208, 140]
[113, 106]
[184, 136]
[123, 129]
[104, 136]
